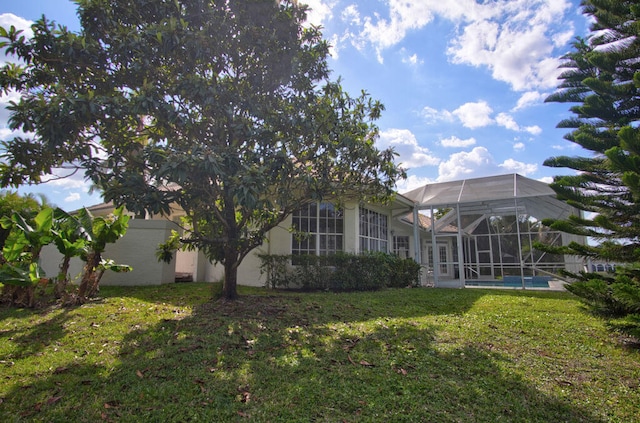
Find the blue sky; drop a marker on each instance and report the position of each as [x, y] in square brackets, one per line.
[463, 81]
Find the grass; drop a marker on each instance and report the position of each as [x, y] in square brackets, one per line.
[168, 354]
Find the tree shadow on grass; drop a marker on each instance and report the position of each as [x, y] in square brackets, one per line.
[290, 359]
[177, 294]
[39, 336]
[390, 302]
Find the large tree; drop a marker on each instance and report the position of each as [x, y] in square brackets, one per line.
[603, 77]
[223, 108]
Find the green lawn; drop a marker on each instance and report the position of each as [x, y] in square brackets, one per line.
[432, 355]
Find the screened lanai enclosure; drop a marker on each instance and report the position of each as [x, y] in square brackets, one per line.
[482, 232]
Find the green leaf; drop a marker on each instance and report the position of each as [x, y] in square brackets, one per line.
[44, 220]
[16, 275]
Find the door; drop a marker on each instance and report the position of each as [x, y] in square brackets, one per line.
[445, 265]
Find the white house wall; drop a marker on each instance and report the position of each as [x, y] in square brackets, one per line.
[137, 248]
[187, 262]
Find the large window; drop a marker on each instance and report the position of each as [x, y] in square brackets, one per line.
[373, 231]
[318, 230]
[401, 246]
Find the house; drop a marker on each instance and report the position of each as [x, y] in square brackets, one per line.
[468, 232]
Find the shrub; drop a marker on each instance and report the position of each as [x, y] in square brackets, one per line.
[276, 268]
[358, 272]
[404, 272]
[340, 272]
[312, 273]
[617, 296]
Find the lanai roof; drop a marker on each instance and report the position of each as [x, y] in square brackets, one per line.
[496, 195]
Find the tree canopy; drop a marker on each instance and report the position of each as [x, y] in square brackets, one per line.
[602, 77]
[225, 109]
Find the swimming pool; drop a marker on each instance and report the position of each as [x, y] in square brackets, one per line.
[513, 282]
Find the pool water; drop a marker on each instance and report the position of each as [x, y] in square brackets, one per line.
[513, 282]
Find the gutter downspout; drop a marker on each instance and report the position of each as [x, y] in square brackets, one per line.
[515, 202]
[435, 257]
[461, 268]
[416, 236]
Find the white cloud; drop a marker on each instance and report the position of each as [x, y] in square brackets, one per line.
[320, 11]
[411, 154]
[519, 146]
[334, 47]
[72, 190]
[412, 182]
[506, 120]
[351, 15]
[7, 134]
[403, 17]
[562, 38]
[548, 71]
[546, 179]
[515, 40]
[411, 60]
[477, 163]
[432, 115]
[4, 102]
[73, 196]
[533, 130]
[66, 179]
[477, 115]
[474, 115]
[529, 99]
[514, 166]
[9, 19]
[566, 146]
[455, 142]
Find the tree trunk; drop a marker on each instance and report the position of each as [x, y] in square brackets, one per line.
[88, 284]
[19, 296]
[95, 282]
[230, 284]
[231, 234]
[63, 278]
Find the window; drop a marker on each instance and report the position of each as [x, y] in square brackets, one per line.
[443, 258]
[373, 231]
[401, 246]
[318, 230]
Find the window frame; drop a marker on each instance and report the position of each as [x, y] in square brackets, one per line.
[374, 231]
[323, 223]
[401, 245]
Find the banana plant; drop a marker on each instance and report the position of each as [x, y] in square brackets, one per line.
[70, 239]
[20, 271]
[99, 231]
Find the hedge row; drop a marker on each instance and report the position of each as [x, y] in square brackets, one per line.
[339, 272]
